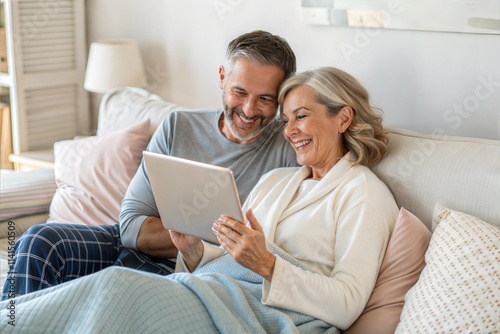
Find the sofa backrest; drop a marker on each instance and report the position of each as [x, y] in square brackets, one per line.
[460, 173]
[421, 170]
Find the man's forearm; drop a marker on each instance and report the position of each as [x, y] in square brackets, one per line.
[154, 239]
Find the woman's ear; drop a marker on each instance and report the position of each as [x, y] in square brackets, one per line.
[345, 116]
[221, 77]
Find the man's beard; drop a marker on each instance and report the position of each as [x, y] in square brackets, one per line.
[228, 115]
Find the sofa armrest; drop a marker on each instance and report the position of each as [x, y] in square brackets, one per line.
[25, 193]
[20, 225]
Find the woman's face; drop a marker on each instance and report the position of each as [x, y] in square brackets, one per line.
[313, 133]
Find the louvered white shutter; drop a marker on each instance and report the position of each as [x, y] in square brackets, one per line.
[47, 57]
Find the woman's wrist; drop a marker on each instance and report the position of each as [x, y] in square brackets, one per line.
[267, 269]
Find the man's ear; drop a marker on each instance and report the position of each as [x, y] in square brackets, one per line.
[222, 75]
[345, 117]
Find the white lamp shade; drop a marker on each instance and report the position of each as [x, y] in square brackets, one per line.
[112, 64]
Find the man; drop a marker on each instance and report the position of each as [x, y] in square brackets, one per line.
[245, 136]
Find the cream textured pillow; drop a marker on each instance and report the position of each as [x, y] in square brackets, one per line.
[459, 289]
[401, 267]
[93, 174]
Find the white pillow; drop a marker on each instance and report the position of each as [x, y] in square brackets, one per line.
[459, 289]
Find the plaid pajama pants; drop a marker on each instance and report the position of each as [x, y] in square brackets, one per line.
[51, 254]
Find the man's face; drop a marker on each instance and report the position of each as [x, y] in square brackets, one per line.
[249, 97]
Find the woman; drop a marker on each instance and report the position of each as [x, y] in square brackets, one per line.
[332, 215]
[309, 256]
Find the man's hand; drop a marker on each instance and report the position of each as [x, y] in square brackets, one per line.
[190, 248]
[154, 239]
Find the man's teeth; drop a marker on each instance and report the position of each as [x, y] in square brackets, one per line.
[302, 143]
[246, 120]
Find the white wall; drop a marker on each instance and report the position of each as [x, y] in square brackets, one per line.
[426, 81]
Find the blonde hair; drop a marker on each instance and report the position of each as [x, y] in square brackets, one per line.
[365, 137]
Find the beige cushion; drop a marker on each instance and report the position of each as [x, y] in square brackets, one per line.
[401, 267]
[93, 174]
[459, 288]
[462, 173]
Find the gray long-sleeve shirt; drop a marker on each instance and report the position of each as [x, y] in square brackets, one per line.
[195, 135]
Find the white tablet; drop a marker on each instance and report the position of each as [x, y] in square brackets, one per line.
[191, 195]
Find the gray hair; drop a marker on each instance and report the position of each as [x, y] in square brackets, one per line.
[263, 48]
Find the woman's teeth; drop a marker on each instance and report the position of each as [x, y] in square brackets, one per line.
[302, 143]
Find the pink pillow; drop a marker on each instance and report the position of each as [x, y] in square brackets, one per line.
[400, 270]
[93, 173]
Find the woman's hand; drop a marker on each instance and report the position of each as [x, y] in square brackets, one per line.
[246, 245]
[190, 248]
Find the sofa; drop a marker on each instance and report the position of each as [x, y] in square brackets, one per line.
[441, 271]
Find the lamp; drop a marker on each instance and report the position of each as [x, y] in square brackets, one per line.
[113, 64]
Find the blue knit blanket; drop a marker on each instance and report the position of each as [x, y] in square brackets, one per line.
[221, 297]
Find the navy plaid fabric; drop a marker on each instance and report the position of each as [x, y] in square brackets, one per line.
[51, 254]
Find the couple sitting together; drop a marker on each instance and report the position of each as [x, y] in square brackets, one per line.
[307, 258]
